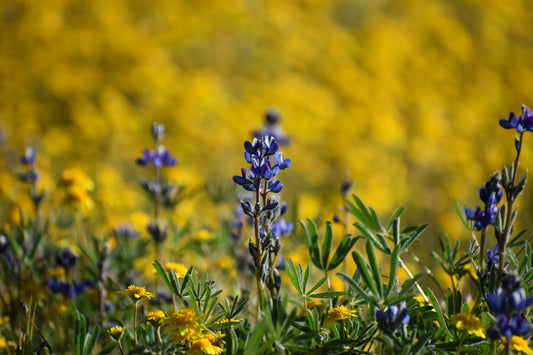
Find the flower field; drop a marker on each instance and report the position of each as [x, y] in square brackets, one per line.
[281, 177]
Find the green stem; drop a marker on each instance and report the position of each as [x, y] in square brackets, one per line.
[510, 195]
[135, 324]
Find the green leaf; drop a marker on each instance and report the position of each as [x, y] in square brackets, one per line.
[379, 243]
[311, 236]
[440, 315]
[108, 348]
[395, 216]
[343, 249]
[89, 346]
[393, 274]
[376, 271]
[319, 284]
[326, 245]
[356, 288]
[162, 272]
[363, 271]
[293, 275]
[329, 294]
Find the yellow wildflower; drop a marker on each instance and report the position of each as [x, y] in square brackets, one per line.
[154, 318]
[137, 292]
[76, 177]
[202, 236]
[469, 323]
[116, 332]
[517, 344]
[183, 325]
[225, 262]
[6, 344]
[336, 314]
[57, 272]
[204, 346]
[313, 303]
[179, 269]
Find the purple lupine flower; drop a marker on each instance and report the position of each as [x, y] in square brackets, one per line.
[272, 128]
[29, 156]
[505, 326]
[521, 123]
[159, 157]
[491, 194]
[282, 228]
[393, 317]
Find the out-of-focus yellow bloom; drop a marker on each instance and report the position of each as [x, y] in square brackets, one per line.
[469, 323]
[78, 198]
[225, 262]
[76, 177]
[116, 332]
[3, 321]
[6, 344]
[336, 314]
[57, 272]
[179, 269]
[137, 292]
[140, 220]
[202, 236]
[517, 344]
[313, 303]
[204, 346]
[155, 318]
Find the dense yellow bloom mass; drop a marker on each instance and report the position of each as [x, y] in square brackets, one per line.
[116, 332]
[183, 325]
[469, 323]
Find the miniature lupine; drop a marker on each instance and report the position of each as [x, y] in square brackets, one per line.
[266, 162]
[161, 193]
[393, 317]
[31, 176]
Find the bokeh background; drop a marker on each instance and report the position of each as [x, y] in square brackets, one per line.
[403, 97]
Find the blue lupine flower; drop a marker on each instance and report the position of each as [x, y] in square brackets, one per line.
[29, 156]
[517, 325]
[67, 258]
[159, 157]
[493, 258]
[521, 123]
[509, 298]
[393, 317]
[273, 128]
[282, 228]
[491, 194]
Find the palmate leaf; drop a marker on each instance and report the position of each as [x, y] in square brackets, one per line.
[366, 215]
[343, 249]
[364, 295]
[311, 236]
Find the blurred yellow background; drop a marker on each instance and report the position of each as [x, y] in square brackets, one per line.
[403, 97]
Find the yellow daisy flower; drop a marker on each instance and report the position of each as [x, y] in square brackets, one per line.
[517, 344]
[179, 269]
[469, 323]
[183, 325]
[137, 292]
[204, 346]
[115, 332]
[155, 318]
[336, 314]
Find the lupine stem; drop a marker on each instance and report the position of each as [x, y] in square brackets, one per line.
[510, 196]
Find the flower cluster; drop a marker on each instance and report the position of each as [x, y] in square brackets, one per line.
[491, 195]
[160, 192]
[266, 162]
[521, 123]
[393, 317]
[508, 304]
